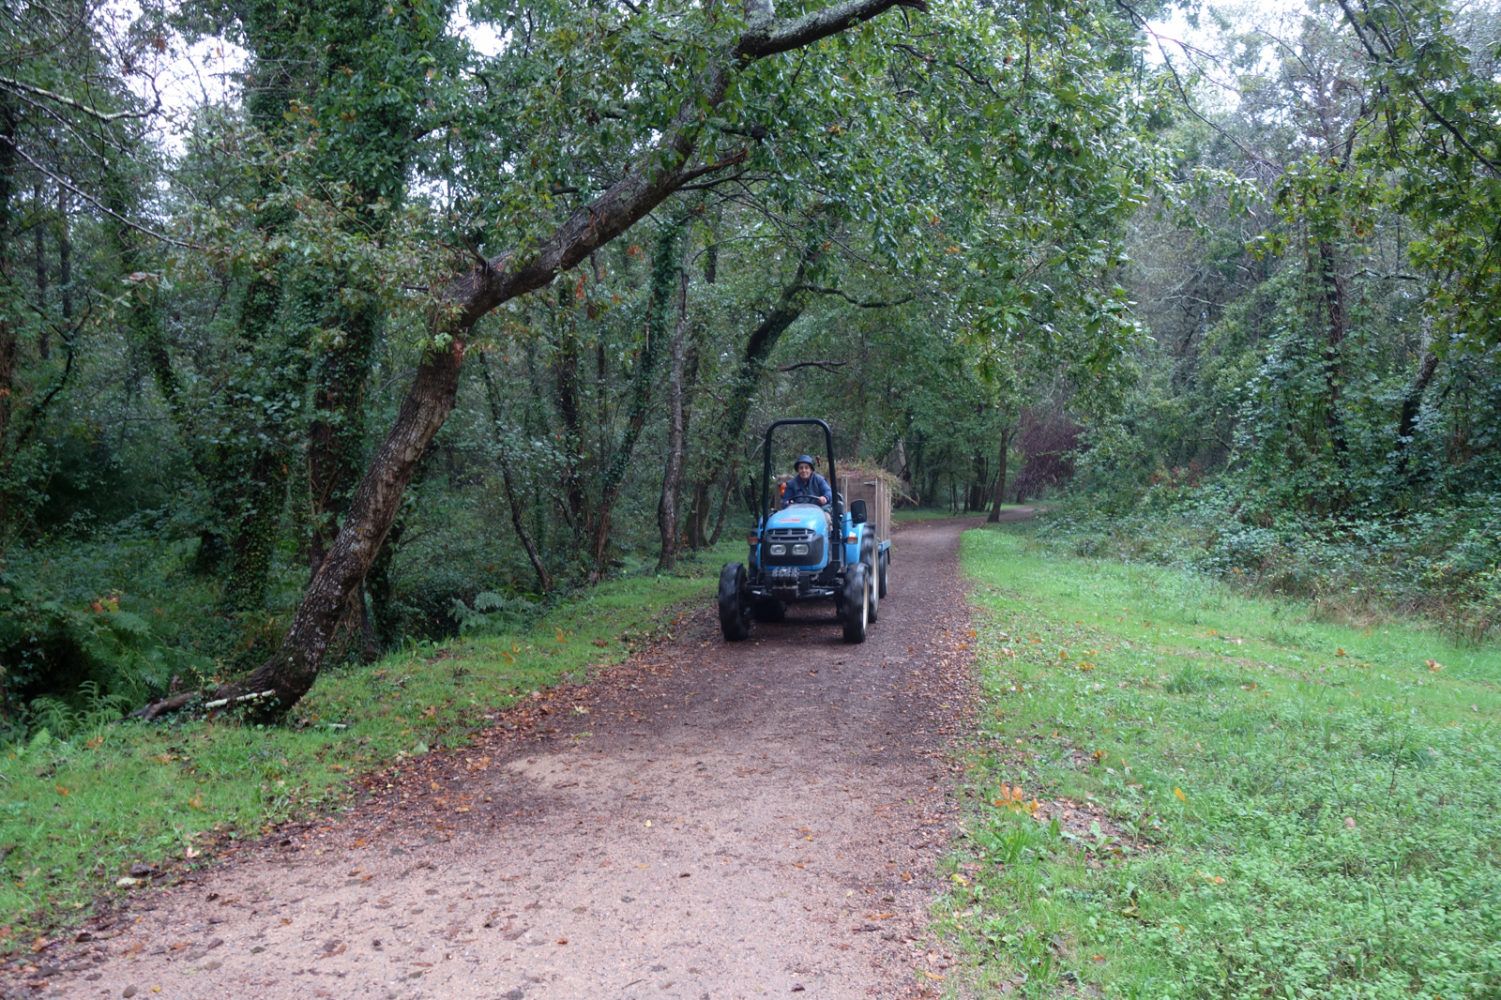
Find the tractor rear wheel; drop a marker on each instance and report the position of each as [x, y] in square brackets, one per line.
[881, 576]
[855, 607]
[734, 608]
[869, 560]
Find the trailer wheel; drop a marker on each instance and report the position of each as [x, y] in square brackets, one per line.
[734, 609]
[881, 574]
[855, 609]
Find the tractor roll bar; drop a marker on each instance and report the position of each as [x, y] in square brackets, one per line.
[828, 437]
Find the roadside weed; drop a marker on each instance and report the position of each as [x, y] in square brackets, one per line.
[1234, 800]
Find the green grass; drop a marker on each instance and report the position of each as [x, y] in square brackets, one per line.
[1261, 805]
[77, 815]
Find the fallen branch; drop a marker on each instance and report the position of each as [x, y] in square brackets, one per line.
[225, 698]
[221, 702]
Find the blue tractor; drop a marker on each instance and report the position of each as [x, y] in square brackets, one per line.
[804, 552]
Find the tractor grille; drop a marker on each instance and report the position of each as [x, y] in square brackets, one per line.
[789, 541]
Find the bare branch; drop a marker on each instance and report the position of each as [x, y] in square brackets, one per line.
[21, 87]
[64, 182]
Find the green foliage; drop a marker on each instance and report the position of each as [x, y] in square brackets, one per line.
[940, 212]
[1182, 793]
[1334, 377]
[80, 635]
[493, 613]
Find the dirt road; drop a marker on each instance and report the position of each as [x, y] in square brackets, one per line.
[710, 820]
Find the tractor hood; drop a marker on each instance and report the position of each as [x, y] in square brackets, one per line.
[805, 516]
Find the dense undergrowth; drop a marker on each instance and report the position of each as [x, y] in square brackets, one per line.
[1181, 791]
[1441, 563]
[95, 623]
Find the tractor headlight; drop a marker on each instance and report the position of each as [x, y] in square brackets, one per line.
[800, 550]
[781, 550]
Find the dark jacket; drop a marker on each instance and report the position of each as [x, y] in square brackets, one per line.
[798, 491]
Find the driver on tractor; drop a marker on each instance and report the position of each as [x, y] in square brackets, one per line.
[807, 486]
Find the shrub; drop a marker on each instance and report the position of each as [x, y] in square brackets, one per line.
[58, 660]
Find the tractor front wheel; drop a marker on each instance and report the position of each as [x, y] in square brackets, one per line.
[734, 608]
[855, 606]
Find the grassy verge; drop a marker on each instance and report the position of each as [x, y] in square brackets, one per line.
[1180, 792]
[77, 816]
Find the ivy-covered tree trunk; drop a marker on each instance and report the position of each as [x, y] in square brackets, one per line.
[742, 386]
[677, 434]
[335, 445]
[664, 286]
[1332, 296]
[337, 433]
[999, 497]
[249, 482]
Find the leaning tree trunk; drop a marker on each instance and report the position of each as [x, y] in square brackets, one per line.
[289, 674]
[283, 679]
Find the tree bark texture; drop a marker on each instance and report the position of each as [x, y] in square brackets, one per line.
[1000, 477]
[643, 185]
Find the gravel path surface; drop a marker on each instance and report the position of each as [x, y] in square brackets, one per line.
[708, 820]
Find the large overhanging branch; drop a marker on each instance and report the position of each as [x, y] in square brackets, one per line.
[768, 36]
[21, 87]
[662, 171]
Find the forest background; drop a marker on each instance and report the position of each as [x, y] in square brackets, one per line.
[390, 336]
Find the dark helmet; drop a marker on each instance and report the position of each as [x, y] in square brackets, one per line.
[805, 458]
